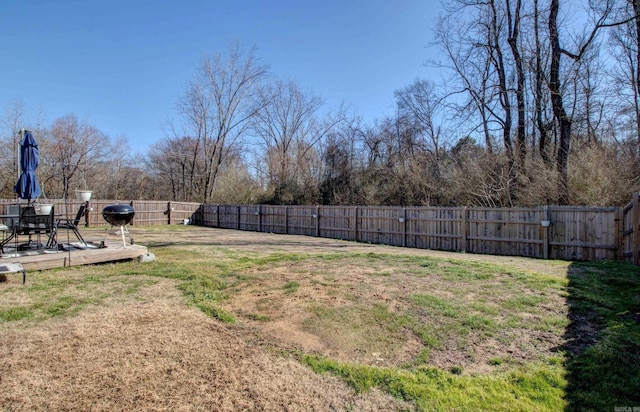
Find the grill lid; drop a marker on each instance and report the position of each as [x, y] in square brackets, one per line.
[118, 215]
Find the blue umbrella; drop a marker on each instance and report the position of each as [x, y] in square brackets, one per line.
[28, 186]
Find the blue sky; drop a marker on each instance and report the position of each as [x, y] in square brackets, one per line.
[122, 65]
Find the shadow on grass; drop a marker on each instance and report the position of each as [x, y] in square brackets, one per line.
[603, 338]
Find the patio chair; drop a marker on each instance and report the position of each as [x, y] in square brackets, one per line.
[9, 225]
[31, 223]
[73, 224]
[4, 229]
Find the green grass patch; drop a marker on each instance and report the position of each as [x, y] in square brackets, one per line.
[604, 360]
[63, 305]
[291, 287]
[16, 313]
[485, 308]
[434, 303]
[523, 302]
[537, 386]
[206, 293]
[363, 328]
[461, 273]
[257, 317]
[53, 293]
[479, 323]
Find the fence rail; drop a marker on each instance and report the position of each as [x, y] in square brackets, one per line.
[548, 232]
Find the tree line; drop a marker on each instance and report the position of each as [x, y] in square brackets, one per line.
[74, 155]
[539, 104]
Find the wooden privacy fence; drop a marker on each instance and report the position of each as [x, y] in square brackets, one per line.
[630, 231]
[147, 212]
[550, 232]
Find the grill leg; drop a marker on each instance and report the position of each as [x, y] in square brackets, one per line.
[124, 242]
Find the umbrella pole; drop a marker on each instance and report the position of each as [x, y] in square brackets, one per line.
[18, 154]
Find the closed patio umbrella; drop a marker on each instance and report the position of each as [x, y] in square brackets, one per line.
[28, 186]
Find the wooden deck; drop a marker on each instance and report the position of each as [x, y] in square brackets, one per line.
[49, 259]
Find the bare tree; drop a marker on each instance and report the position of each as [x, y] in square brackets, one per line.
[216, 109]
[11, 123]
[563, 118]
[236, 184]
[122, 172]
[591, 97]
[513, 38]
[71, 151]
[494, 34]
[482, 40]
[625, 41]
[636, 86]
[289, 127]
[421, 102]
[539, 71]
[485, 49]
[472, 74]
[174, 164]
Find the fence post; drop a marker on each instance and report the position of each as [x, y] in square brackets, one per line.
[260, 218]
[169, 212]
[463, 228]
[355, 223]
[238, 217]
[286, 220]
[635, 217]
[404, 226]
[619, 219]
[317, 221]
[545, 233]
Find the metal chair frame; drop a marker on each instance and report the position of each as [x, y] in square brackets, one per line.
[65, 223]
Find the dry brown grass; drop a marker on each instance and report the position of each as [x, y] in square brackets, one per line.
[149, 350]
[155, 353]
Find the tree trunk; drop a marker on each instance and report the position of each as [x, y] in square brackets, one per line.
[636, 9]
[559, 112]
[542, 129]
[514, 32]
[498, 61]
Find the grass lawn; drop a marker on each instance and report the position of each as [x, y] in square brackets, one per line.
[436, 331]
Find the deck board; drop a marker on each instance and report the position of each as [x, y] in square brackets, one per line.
[113, 251]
